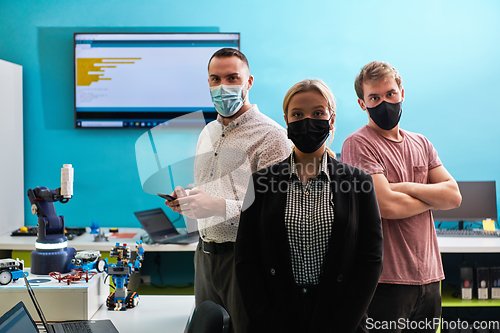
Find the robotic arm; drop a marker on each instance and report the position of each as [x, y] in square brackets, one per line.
[51, 251]
[50, 226]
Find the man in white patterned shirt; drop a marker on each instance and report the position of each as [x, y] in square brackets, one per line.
[241, 141]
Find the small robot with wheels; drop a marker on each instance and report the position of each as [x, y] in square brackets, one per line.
[88, 260]
[121, 298]
[11, 269]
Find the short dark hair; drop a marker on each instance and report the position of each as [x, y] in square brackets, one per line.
[373, 72]
[228, 52]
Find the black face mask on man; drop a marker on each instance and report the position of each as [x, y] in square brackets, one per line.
[308, 134]
[386, 115]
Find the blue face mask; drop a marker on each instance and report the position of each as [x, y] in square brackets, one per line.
[227, 99]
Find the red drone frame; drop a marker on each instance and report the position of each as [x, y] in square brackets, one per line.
[75, 275]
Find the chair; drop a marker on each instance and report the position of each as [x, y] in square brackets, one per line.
[209, 317]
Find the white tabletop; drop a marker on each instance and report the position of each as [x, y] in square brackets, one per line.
[86, 242]
[469, 244]
[153, 314]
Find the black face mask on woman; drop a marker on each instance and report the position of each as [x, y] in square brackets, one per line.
[386, 115]
[308, 135]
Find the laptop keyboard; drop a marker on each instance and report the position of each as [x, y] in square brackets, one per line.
[76, 327]
[467, 233]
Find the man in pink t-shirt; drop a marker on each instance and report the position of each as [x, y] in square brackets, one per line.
[409, 181]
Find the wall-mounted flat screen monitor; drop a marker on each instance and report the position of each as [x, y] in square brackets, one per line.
[131, 80]
[479, 202]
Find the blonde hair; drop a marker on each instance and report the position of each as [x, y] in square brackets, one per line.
[320, 87]
[373, 72]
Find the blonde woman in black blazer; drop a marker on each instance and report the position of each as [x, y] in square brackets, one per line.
[302, 264]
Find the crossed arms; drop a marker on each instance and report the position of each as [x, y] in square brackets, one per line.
[402, 200]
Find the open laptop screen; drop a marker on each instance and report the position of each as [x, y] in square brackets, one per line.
[17, 320]
[156, 223]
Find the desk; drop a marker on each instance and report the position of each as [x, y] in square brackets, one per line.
[86, 242]
[454, 250]
[153, 314]
[79, 300]
[177, 258]
[469, 244]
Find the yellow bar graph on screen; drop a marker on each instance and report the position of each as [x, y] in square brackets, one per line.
[84, 66]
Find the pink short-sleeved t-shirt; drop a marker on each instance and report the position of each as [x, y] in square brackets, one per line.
[411, 252]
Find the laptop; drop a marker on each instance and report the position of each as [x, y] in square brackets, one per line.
[161, 230]
[93, 326]
[17, 320]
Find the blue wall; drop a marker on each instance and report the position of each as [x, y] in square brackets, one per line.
[446, 51]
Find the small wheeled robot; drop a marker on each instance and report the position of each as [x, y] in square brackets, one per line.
[11, 269]
[121, 298]
[88, 260]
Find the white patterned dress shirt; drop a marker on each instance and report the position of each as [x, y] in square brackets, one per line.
[226, 156]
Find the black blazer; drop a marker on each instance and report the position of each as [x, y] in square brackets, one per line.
[352, 265]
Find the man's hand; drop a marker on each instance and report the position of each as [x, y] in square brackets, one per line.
[198, 204]
[179, 192]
